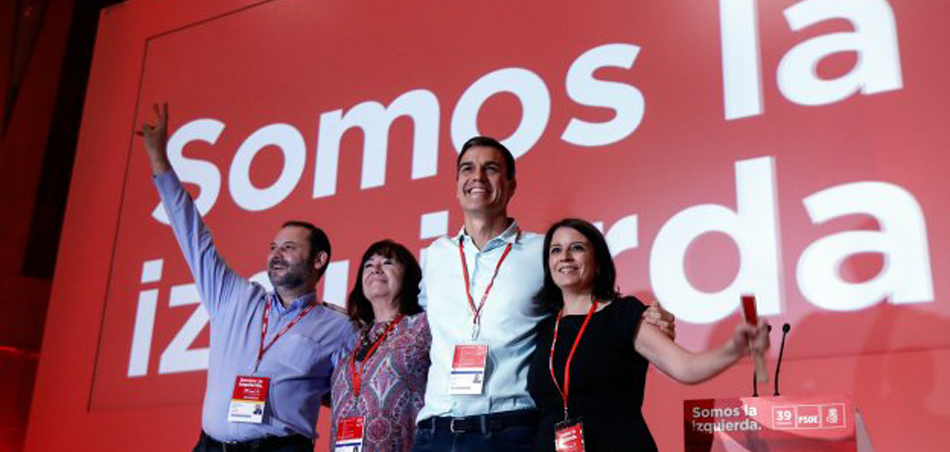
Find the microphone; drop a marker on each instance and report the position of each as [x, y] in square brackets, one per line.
[778, 365]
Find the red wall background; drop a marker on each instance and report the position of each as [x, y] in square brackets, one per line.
[248, 65]
[25, 296]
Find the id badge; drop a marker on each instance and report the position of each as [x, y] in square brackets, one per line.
[468, 370]
[248, 399]
[349, 435]
[569, 436]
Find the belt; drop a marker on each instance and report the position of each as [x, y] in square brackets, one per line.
[483, 423]
[256, 445]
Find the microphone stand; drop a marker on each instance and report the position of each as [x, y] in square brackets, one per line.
[778, 366]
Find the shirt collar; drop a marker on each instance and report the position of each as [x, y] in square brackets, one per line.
[298, 303]
[510, 235]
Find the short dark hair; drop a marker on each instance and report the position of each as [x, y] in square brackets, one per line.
[358, 306]
[488, 142]
[605, 275]
[318, 241]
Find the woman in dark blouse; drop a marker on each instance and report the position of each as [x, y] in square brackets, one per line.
[611, 348]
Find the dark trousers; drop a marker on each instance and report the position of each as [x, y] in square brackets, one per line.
[500, 432]
[294, 443]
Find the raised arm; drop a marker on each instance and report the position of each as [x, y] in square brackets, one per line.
[156, 138]
[692, 368]
[217, 283]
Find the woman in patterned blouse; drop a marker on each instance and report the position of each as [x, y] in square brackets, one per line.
[378, 389]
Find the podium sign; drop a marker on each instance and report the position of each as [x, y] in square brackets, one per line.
[774, 424]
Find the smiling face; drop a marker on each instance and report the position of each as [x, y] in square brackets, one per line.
[289, 264]
[382, 278]
[571, 261]
[483, 186]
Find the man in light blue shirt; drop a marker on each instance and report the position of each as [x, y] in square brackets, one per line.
[285, 341]
[479, 290]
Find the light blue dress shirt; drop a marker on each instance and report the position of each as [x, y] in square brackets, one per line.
[299, 364]
[509, 319]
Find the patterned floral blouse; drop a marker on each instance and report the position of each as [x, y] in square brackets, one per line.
[392, 390]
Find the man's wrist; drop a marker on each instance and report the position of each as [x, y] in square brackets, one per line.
[160, 165]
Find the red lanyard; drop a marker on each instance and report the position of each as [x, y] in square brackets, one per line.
[262, 349]
[468, 291]
[570, 356]
[357, 372]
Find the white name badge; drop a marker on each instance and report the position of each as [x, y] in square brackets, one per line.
[468, 370]
[248, 399]
[349, 435]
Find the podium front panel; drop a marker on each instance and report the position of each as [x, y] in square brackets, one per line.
[774, 424]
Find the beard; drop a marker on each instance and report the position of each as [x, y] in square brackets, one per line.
[292, 276]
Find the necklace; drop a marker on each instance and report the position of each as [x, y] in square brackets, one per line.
[370, 336]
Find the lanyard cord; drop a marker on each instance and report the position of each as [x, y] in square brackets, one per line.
[476, 310]
[263, 349]
[567, 365]
[356, 372]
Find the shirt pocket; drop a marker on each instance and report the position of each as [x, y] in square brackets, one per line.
[303, 356]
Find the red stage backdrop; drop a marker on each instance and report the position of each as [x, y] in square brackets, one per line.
[796, 150]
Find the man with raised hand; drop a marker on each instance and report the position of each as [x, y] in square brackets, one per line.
[271, 354]
[479, 290]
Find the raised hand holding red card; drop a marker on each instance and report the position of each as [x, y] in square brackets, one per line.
[758, 357]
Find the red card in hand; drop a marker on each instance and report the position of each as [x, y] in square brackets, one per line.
[752, 318]
[748, 308]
